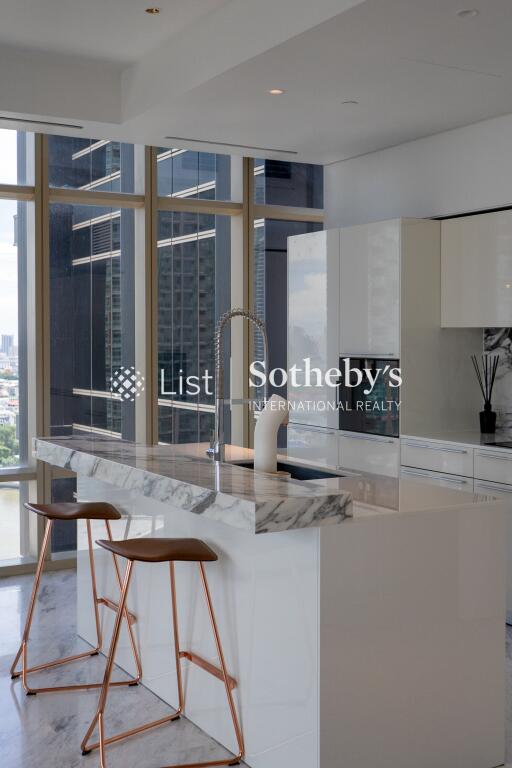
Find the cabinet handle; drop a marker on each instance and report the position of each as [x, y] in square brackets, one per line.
[494, 456]
[443, 478]
[454, 480]
[492, 488]
[428, 447]
[366, 356]
[372, 438]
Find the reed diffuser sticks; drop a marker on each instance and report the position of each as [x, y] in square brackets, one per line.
[487, 375]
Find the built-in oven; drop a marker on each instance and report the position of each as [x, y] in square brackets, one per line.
[369, 395]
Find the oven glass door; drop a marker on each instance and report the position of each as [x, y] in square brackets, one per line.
[374, 412]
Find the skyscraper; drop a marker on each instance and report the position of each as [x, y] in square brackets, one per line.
[6, 343]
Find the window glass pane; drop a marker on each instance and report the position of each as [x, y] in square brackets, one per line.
[10, 539]
[16, 265]
[95, 378]
[92, 164]
[202, 175]
[16, 157]
[194, 266]
[270, 285]
[282, 183]
[14, 520]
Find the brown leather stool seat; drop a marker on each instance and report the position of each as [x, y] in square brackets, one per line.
[88, 510]
[161, 550]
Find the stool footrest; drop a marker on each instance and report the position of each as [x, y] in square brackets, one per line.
[56, 663]
[80, 687]
[132, 732]
[108, 603]
[208, 667]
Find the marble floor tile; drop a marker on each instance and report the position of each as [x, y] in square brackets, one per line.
[46, 730]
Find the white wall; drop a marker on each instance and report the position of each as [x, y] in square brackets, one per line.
[467, 169]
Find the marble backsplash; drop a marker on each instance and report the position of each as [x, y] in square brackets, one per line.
[498, 341]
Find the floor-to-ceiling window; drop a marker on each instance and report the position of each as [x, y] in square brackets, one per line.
[117, 261]
[96, 373]
[16, 342]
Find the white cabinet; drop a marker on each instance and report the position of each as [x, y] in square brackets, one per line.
[476, 282]
[495, 466]
[309, 444]
[370, 289]
[452, 459]
[313, 319]
[369, 453]
[503, 492]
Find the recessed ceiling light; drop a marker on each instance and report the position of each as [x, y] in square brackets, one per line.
[467, 13]
[153, 11]
[350, 101]
[276, 91]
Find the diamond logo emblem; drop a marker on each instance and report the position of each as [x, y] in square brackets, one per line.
[127, 383]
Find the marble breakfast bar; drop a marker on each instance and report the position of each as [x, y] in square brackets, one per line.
[362, 617]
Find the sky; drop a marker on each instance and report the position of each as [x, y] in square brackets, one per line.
[8, 252]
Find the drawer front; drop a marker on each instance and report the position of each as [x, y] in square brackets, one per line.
[457, 482]
[495, 466]
[318, 445]
[364, 453]
[451, 459]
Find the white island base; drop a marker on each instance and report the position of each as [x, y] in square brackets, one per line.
[375, 642]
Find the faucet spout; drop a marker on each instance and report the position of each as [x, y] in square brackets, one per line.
[216, 451]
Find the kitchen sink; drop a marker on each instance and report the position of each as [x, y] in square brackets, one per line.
[296, 471]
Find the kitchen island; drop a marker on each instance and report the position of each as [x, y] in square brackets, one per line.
[363, 618]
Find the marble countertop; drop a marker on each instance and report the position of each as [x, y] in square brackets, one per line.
[183, 476]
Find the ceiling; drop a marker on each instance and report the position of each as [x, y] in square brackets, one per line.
[204, 69]
[117, 30]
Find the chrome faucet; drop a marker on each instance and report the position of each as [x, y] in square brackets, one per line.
[216, 451]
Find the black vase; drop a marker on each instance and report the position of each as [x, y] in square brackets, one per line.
[487, 420]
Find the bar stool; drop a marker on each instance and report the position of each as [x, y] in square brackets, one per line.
[73, 511]
[165, 551]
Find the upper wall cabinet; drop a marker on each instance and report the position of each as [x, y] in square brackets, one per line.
[370, 289]
[476, 282]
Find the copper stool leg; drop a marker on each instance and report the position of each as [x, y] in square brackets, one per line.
[221, 674]
[22, 651]
[226, 680]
